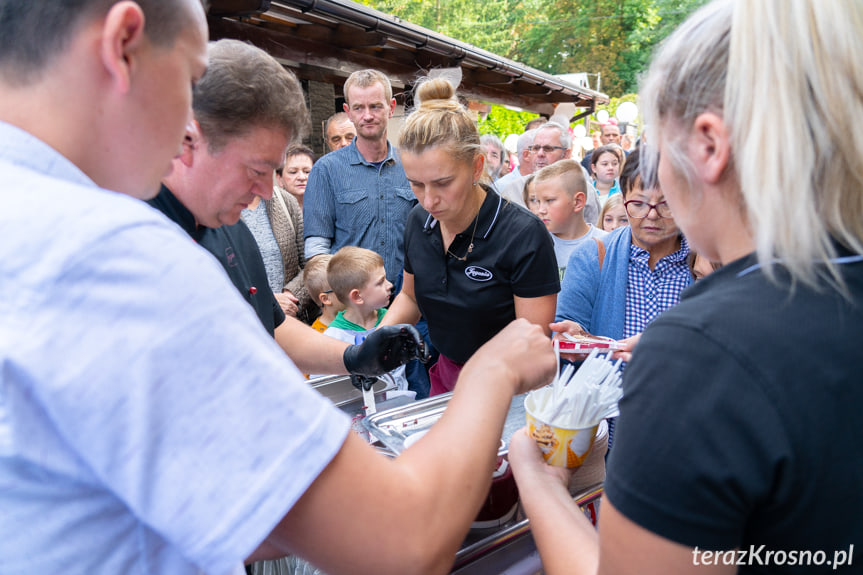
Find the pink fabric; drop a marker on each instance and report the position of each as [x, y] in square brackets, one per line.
[443, 375]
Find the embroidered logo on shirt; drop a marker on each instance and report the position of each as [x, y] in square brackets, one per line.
[478, 274]
[230, 257]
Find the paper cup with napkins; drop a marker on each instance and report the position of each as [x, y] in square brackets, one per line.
[564, 416]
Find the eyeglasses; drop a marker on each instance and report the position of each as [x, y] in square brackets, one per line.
[639, 210]
[546, 149]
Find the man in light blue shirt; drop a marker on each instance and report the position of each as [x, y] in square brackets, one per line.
[359, 195]
[148, 422]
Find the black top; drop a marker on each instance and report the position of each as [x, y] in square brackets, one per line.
[740, 419]
[235, 248]
[467, 302]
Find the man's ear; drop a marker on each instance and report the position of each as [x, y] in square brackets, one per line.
[710, 147]
[392, 107]
[122, 39]
[191, 142]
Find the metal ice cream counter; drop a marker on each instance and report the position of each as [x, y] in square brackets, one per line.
[500, 543]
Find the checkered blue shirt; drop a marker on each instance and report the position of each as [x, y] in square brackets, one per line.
[650, 292]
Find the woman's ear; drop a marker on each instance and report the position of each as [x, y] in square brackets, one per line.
[710, 147]
[478, 166]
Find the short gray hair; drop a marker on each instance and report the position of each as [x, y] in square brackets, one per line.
[565, 138]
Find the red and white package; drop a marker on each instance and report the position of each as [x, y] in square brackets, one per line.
[585, 343]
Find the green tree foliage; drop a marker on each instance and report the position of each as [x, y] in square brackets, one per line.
[611, 38]
[503, 122]
[489, 25]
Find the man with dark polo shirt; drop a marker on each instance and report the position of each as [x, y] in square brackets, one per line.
[243, 123]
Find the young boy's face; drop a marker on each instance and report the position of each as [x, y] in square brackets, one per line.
[376, 292]
[555, 207]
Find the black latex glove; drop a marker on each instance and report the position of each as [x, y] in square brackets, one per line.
[362, 382]
[385, 349]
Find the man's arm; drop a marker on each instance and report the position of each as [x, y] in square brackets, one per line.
[424, 501]
[382, 351]
[315, 246]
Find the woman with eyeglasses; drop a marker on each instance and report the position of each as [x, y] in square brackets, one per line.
[473, 261]
[641, 273]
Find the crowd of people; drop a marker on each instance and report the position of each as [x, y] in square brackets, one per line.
[175, 261]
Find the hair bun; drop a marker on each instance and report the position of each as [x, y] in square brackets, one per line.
[432, 92]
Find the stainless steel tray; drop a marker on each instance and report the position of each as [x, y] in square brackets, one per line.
[339, 390]
[393, 426]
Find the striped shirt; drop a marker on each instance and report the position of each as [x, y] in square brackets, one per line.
[353, 202]
[650, 292]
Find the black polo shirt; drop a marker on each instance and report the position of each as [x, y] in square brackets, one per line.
[236, 249]
[467, 302]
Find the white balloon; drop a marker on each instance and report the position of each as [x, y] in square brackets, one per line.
[602, 116]
[626, 112]
[579, 131]
[510, 143]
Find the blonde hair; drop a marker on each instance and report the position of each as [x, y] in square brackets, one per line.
[613, 201]
[366, 78]
[785, 75]
[351, 268]
[440, 121]
[570, 173]
[315, 277]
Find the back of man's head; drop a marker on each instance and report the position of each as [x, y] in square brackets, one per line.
[245, 88]
[366, 78]
[534, 124]
[34, 32]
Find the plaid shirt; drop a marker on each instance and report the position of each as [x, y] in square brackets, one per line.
[650, 292]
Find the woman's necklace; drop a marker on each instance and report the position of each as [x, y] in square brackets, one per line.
[470, 246]
[472, 234]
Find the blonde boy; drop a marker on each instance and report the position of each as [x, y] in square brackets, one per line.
[315, 277]
[561, 194]
[358, 279]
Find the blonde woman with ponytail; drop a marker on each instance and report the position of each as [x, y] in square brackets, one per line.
[473, 261]
[738, 446]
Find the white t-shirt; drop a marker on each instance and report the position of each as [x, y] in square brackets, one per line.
[148, 423]
[564, 248]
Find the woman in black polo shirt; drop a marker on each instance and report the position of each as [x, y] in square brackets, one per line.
[473, 261]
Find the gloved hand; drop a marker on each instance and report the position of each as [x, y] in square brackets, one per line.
[385, 349]
[362, 382]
